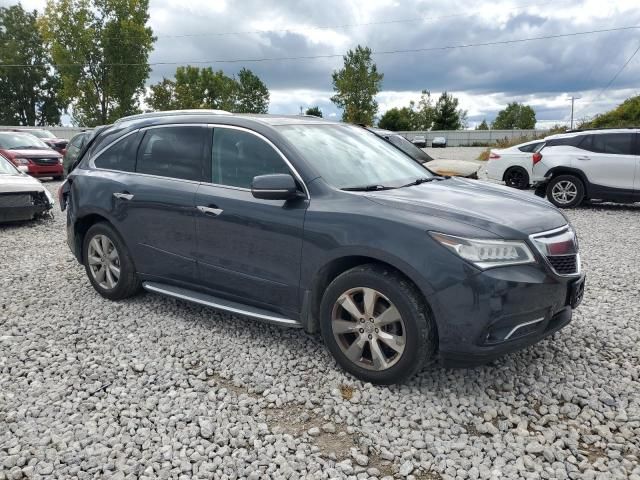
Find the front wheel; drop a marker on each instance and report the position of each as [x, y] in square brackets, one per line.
[376, 325]
[108, 264]
[565, 191]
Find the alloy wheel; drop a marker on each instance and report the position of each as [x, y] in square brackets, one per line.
[368, 328]
[564, 192]
[104, 262]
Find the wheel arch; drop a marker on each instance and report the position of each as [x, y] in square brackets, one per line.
[557, 171]
[338, 265]
[82, 226]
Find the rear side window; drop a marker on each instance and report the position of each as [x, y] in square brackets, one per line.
[530, 148]
[611, 143]
[575, 141]
[120, 156]
[238, 156]
[175, 152]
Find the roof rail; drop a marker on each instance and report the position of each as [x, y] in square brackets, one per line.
[576, 130]
[193, 111]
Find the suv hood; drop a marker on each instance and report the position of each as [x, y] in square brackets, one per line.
[500, 210]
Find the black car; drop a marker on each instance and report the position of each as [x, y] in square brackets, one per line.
[308, 223]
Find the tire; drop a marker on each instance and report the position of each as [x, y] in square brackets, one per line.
[516, 177]
[59, 177]
[412, 325]
[127, 283]
[572, 187]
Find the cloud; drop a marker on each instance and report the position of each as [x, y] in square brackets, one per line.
[541, 72]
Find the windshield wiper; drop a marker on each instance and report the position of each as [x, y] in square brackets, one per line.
[418, 181]
[366, 188]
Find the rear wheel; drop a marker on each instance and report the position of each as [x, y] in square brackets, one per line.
[376, 325]
[565, 191]
[516, 177]
[108, 264]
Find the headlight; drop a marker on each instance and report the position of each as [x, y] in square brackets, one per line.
[60, 160]
[21, 161]
[487, 253]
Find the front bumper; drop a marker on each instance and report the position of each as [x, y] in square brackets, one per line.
[502, 310]
[56, 170]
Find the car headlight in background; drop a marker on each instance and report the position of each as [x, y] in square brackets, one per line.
[487, 253]
[60, 160]
[21, 161]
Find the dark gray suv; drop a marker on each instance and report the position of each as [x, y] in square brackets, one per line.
[308, 223]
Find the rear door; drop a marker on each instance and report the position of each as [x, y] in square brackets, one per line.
[608, 161]
[152, 203]
[248, 249]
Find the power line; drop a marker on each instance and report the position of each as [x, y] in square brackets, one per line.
[336, 55]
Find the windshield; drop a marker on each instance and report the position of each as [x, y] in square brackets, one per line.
[6, 167]
[21, 141]
[348, 157]
[41, 133]
[409, 148]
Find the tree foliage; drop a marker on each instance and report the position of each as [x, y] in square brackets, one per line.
[483, 125]
[101, 49]
[28, 95]
[627, 114]
[355, 85]
[447, 115]
[315, 111]
[516, 115]
[195, 87]
[397, 119]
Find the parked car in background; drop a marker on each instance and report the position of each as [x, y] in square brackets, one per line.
[455, 168]
[513, 165]
[439, 142]
[21, 197]
[58, 144]
[74, 148]
[25, 150]
[304, 222]
[419, 141]
[600, 164]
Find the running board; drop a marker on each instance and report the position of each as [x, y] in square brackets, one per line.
[220, 304]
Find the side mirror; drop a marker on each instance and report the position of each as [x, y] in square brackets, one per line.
[277, 186]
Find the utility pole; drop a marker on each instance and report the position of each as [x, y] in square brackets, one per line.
[572, 100]
[300, 109]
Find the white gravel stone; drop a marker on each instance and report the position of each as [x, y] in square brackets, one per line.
[153, 388]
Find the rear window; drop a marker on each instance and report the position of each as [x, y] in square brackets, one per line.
[531, 147]
[611, 143]
[574, 141]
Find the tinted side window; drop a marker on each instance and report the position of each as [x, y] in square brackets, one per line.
[611, 143]
[569, 141]
[120, 156]
[238, 156]
[530, 148]
[175, 152]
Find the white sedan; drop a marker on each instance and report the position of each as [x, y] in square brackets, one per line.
[21, 197]
[513, 165]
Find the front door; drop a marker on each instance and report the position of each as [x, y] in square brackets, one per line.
[248, 249]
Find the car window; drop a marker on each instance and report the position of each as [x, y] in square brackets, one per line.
[120, 156]
[611, 143]
[574, 141]
[77, 141]
[409, 148]
[530, 148]
[175, 152]
[238, 156]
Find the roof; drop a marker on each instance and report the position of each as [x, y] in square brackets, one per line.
[575, 133]
[212, 114]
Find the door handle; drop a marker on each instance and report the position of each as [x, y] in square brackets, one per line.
[213, 211]
[123, 196]
[584, 158]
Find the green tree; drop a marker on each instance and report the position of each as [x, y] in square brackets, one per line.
[253, 94]
[315, 111]
[356, 85]
[483, 125]
[398, 119]
[516, 115]
[627, 114]
[101, 49]
[28, 94]
[195, 87]
[447, 116]
[424, 112]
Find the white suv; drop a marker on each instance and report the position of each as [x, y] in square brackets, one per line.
[589, 165]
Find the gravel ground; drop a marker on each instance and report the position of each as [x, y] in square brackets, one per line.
[157, 388]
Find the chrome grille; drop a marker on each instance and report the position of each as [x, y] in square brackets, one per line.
[45, 161]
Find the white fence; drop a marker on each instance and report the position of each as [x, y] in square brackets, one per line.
[468, 138]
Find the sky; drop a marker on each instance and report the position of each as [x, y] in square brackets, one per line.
[543, 73]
